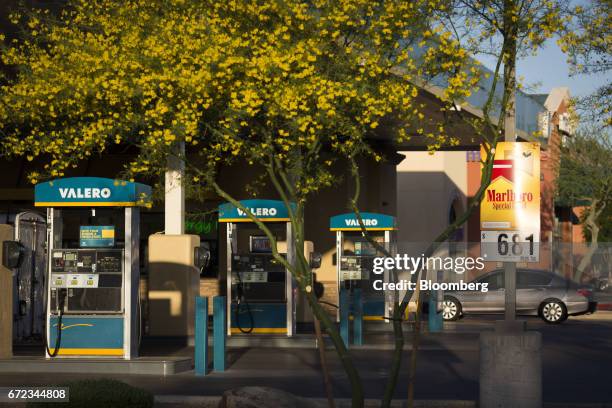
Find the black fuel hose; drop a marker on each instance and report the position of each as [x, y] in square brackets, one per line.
[58, 338]
[239, 299]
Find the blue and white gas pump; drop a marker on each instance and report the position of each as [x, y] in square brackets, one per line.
[355, 255]
[261, 293]
[93, 238]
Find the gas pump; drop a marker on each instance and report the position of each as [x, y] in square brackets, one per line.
[355, 255]
[92, 278]
[261, 293]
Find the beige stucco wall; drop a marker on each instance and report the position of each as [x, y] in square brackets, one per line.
[427, 185]
[174, 281]
[6, 299]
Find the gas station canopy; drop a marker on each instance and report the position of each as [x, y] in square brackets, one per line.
[371, 221]
[264, 210]
[91, 192]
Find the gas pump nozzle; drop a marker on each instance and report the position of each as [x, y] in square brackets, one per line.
[239, 289]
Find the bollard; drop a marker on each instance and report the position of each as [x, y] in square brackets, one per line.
[219, 332]
[434, 320]
[201, 335]
[344, 315]
[510, 368]
[357, 317]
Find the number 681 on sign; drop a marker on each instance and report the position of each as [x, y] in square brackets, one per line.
[510, 246]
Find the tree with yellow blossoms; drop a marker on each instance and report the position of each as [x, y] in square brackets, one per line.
[288, 87]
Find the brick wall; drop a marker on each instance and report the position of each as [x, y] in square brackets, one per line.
[330, 295]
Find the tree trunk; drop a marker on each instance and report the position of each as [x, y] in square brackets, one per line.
[396, 362]
[343, 353]
[591, 224]
[324, 368]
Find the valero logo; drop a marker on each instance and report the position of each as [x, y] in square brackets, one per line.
[259, 212]
[366, 222]
[85, 192]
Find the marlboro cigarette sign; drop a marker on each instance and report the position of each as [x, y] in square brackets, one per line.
[510, 208]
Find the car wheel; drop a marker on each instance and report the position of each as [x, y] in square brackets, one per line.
[451, 309]
[553, 311]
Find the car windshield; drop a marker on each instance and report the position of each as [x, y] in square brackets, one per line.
[495, 281]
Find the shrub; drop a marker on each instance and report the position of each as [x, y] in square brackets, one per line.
[102, 393]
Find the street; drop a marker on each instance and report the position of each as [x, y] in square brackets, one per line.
[577, 357]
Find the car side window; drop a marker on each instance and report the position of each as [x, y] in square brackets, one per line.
[531, 279]
[495, 281]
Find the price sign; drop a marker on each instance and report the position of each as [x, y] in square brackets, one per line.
[510, 208]
[510, 246]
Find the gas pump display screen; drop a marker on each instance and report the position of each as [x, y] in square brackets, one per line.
[86, 261]
[259, 244]
[109, 261]
[64, 261]
[355, 267]
[364, 249]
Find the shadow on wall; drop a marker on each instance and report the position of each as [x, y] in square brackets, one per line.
[426, 204]
[170, 301]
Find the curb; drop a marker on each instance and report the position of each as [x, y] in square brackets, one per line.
[171, 401]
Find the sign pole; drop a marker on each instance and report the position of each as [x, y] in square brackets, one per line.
[510, 216]
[510, 289]
[510, 232]
[510, 267]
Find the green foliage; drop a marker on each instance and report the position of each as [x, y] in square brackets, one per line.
[584, 170]
[588, 44]
[585, 179]
[102, 393]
